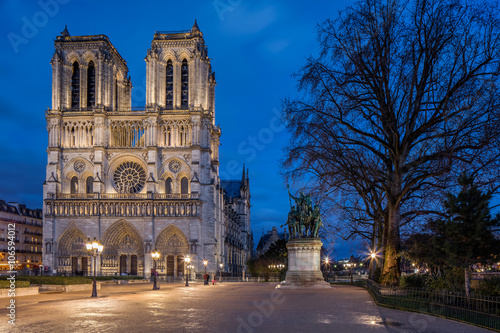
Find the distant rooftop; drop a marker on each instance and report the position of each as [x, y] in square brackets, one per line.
[231, 187]
[19, 209]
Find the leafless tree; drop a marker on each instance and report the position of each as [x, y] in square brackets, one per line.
[402, 95]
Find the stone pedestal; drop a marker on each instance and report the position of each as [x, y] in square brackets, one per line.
[304, 255]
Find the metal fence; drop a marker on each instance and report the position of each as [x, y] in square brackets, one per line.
[476, 309]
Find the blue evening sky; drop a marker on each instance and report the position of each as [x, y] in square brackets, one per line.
[255, 45]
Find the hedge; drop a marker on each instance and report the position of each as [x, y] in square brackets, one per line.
[5, 284]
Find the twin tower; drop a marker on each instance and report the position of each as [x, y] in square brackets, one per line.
[139, 179]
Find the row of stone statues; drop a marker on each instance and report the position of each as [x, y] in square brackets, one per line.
[303, 220]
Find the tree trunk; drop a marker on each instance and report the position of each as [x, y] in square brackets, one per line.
[467, 284]
[391, 271]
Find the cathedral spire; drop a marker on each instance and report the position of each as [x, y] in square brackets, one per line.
[65, 32]
[195, 27]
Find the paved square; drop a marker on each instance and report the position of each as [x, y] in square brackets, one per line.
[226, 307]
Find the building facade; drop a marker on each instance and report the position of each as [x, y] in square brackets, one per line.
[238, 242]
[137, 179]
[27, 236]
[269, 239]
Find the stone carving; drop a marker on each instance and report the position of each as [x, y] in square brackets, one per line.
[79, 166]
[303, 220]
[174, 166]
[129, 177]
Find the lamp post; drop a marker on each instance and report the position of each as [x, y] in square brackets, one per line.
[350, 265]
[327, 267]
[187, 260]
[373, 255]
[205, 280]
[189, 267]
[220, 272]
[155, 255]
[94, 248]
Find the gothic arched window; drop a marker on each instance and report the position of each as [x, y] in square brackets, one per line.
[116, 94]
[74, 185]
[168, 186]
[91, 84]
[184, 83]
[90, 185]
[184, 185]
[169, 85]
[75, 86]
[169, 136]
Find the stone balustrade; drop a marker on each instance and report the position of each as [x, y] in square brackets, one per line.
[159, 207]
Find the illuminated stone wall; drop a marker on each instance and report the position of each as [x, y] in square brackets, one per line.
[136, 171]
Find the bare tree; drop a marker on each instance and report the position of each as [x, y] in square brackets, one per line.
[402, 95]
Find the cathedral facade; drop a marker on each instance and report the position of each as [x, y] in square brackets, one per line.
[139, 179]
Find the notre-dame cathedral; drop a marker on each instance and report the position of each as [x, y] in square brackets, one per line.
[139, 179]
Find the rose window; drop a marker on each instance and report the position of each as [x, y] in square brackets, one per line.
[174, 166]
[79, 166]
[129, 177]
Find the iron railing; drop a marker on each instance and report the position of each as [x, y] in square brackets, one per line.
[476, 309]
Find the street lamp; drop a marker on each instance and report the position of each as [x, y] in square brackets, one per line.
[189, 267]
[373, 262]
[327, 268]
[350, 265]
[155, 255]
[94, 248]
[205, 263]
[220, 272]
[187, 260]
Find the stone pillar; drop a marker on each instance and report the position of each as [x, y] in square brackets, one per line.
[175, 266]
[148, 265]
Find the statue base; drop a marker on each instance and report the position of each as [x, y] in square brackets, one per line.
[304, 270]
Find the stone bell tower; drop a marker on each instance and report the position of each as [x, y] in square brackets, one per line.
[137, 178]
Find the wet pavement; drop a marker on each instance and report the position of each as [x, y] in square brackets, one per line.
[225, 307]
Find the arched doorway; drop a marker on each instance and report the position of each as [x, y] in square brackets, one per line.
[173, 246]
[123, 252]
[72, 252]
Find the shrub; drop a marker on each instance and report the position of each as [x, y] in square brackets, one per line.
[109, 278]
[413, 281]
[5, 284]
[452, 279]
[489, 287]
[64, 280]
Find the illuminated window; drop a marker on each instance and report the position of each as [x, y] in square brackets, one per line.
[169, 85]
[91, 85]
[184, 83]
[184, 185]
[168, 186]
[90, 185]
[75, 86]
[74, 185]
